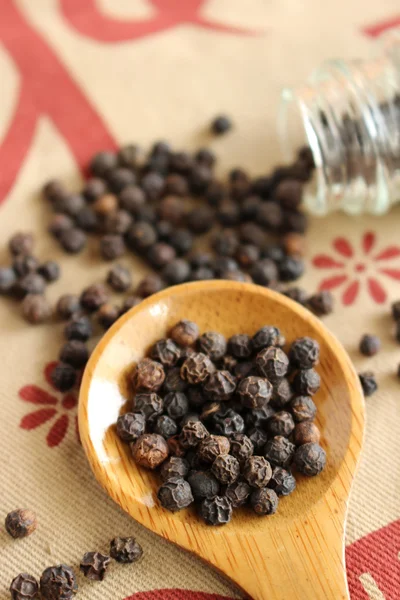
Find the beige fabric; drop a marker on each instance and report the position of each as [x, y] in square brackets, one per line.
[169, 86]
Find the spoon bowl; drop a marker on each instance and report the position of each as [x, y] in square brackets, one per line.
[296, 554]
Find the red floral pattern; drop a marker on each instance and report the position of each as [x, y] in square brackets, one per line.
[53, 407]
[352, 267]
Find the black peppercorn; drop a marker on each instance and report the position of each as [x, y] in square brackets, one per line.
[206, 157]
[257, 471]
[264, 501]
[131, 426]
[54, 188]
[281, 423]
[24, 264]
[150, 405]
[58, 583]
[221, 124]
[125, 550]
[60, 223]
[50, 270]
[177, 271]
[8, 279]
[254, 392]
[192, 434]
[282, 394]
[225, 243]
[176, 404]
[370, 345]
[197, 368]
[112, 246]
[220, 386]
[141, 236]
[216, 511]
[150, 450]
[117, 223]
[199, 179]
[176, 184]
[94, 188]
[282, 482]
[240, 345]
[151, 284]
[258, 417]
[241, 447]
[181, 240]
[94, 565]
[212, 447]
[306, 432]
[266, 336]
[289, 193]
[119, 278]
[67, 306]
[120, 178]
[36, 309]
[63, 377]
[107, 315]
[269, 215]
[258, 438]
[72, 240]
[20, 523]
[279, 451]
[213, 344]
[175, 494]
[32, 283]
[203, 484]
[321, 303]
[174, 382]
[297, 294]
[87, 219]
[185, 333]
[174, 467]
[368, 383]
[227, 421]
[130, 302]
[264, 272]
[75, 353]
[238, 493]
[21, 243]
[102, 163]
[303, 409]
[165, 426]
[306, 382]
[78, 328]
[310, 459]
[94, 296]
[226, 468]
[250, 233]
[24, 587]
[272, 363]
[152, 185]
[131, 199]
[304, 353]
[166, 352]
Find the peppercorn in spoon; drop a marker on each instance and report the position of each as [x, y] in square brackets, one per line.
[297, 553]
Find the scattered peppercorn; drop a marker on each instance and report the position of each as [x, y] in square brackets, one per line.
[36, 309]
[119, 278]
[321, 303]
[20, 523]
[78, 328]
[264, 501]
[58, 583]
[75, 353]
[94, 565]
[368, 383]
[24, 587]
[216, 511]
[370, 345]
[67, 306]
[221, 124]
[21, 243]
[125, 550]
[94, 296]
[72, 240]
[63, 377]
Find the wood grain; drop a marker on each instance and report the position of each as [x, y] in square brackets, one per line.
[296, 554]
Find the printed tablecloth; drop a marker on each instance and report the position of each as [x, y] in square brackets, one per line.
[77, 76]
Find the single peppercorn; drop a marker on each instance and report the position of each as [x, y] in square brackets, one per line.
[226, 468]
[78, 328]
[165, 426]
[297, 295]
[54, 188]
[176, 184]
[197, 368]
[310, 459]
[174, 467]
[369, 345]
[24, 587]
[279, 451]
[196, 397]
[150, 450]
[203, 484]
[303, 408]
[257, 471]
[282, 482]
[213, 344]
[227, 421]
[75, 353]
[72, 240]
[94, 296]
[212, 447]
[24, 264]
[241, 447]
[238, 493]
[177, 271]
[306, 433]
[321, 303]
[102, 163]
[20, 523]
[266, 336]
[258, 417]
[36, 309]
[176, 404]
[166, 352]
[58, 583]
[131, 199]
[216, 511]
[181, 239]
[63, 377]
[220, 386]
[185, 333]
[67, 305]
[32, 283]
[87, 219]
[221, 124]
[304, 353]
[192, 434]
[8, 279]
[368, 383]
[112, 246]
[264, 501]
[94, 187]
[94, 565]
[148, 375]
[254, 392]
[291, 268]
[306, 382]
[131, 426]
[107, 315]
[21, 243]
[174, 382]
[50, 270]
[272, 363]
[240, 345]
[282, 394]
[175, 494]
[150, 405]
[175, 448]
[120, 178]
[119, 278]
[281, 423]
[125, 550]
[152, 184]
[264, 272]
[258, 438]
[151, 284]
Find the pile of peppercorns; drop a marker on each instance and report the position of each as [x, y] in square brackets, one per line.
[224, 421]
[59, 582]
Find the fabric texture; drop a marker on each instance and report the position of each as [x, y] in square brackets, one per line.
[77, 77]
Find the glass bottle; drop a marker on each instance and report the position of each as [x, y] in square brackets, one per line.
[348, 113]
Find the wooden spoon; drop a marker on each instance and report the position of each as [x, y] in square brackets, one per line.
[296, 554]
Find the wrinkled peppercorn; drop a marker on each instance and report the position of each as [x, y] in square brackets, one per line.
[241, 447]
[240, 346]
[272, 363]
[282, 394]
[131, 426]
[78, 328]
[303, 408]
[238, 493]
[185, 333]
[212, 447]
[174, 467]
[192, 434]
[150, 450]
[258, 417]
[257, 471]
[74, 353]
[370, 345]
[282, 482]
[310, 459]
[258, 438]
[279, 451]
[72, 240]
[125, 550]
[306, 433]
[94, 296]
[203, 484]
[58, 583]
[368, 383]
[175, 447]
[304, 353]
[227, 421]
[306, 382]
[67, 305]
[266, 336]
[20, 523]
[36, 309]
[321, 303]
[213, 344]
[119, 278]
[254, 392]
[220, 386]
[94, 565]
[165, 426]
[150, 405]
[216, 511]
[174, 382]
[176, 404]
[264, 501]
[175, 494]
[148, 375]
[24, 587]
[166, 352]
[281, 423]
[63, 377]
[226, 468]
[197, 367]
